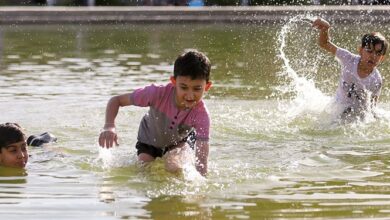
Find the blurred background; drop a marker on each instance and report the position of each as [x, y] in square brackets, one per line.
[187, 2]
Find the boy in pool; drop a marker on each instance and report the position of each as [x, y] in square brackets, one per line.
[177, 115]
[13, 146]
[360, 81]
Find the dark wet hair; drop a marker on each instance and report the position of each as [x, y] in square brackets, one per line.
[374, 38]
[193, 64]
[10, 133]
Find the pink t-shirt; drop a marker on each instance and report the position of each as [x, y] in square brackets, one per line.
[166, 125]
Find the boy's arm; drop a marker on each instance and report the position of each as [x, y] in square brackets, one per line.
[108, 136]
[201, 155]
[323, 39]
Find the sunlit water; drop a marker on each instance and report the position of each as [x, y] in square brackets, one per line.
[277, 147]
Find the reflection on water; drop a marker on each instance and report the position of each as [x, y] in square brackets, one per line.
[276, 150]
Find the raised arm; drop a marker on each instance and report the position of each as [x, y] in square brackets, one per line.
[201, 156]
[324, 39]
[108, 136]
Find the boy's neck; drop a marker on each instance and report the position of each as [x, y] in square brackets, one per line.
[363, 71]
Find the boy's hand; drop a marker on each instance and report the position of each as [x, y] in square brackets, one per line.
[108, 137]
[321, 24]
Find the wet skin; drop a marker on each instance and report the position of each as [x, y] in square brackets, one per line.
[14, 155]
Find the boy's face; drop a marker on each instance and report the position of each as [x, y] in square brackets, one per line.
[371, 55]
[188, 91]
[14, 155]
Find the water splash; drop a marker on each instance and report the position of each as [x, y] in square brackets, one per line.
[160, 181]
[299, 68]
[113, 158]
[307, 98]
[185, 158]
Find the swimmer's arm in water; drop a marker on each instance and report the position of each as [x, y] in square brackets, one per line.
[108, 136]
[201, 155]
[324, 39]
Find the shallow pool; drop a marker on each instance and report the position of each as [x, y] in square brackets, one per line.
[276, 149]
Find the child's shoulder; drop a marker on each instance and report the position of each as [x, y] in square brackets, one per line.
[377, 75]
[201, 108]
[155, 85]
[345, 55]
[156, 88]
[343, 51]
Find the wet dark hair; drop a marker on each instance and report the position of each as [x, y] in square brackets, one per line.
[193, 64]
[10, 133]
[374, 38]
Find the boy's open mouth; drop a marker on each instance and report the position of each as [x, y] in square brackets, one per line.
[191, 102]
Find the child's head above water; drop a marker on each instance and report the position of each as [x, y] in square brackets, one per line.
[13, 147]
[191, 78]
[371, 40]
[194, 64]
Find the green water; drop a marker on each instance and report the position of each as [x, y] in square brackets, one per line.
[274, 153]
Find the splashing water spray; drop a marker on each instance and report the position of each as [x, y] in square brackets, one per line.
[307, 97]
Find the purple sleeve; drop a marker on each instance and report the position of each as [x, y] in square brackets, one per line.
[146, 96]
[202, 126]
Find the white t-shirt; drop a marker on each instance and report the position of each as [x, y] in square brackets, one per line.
[354, 91]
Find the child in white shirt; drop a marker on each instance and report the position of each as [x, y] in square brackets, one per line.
[360, 81]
